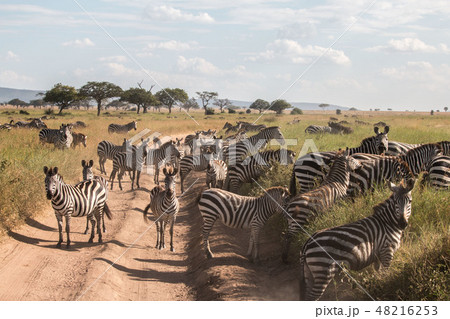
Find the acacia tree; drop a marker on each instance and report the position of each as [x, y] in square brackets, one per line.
[260, 105]
[206, 97]
[445, 109]
[190, 104]
[140, 97]
[169, 97]
[280, 105]
[62, 96]
[324, 105]
[222, 103]
[100, 91]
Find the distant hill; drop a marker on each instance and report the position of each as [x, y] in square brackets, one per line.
[7, 94]
[300, 105]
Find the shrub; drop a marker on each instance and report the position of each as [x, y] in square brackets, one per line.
[248, 111]
[24, 112]
[231, 111]
[209, 111]
[49, 111]
[338, 112]
[296, 111]
[241, 112]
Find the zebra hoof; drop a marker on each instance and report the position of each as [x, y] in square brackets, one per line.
[100, 241]
[86, 231]
[68, 245]
[91, 240]
[172, 249]
[58, 245]
[104, 230]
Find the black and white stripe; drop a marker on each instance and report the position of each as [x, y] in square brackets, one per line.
[216, 173]
[240, 212]
[87, 198]
[305, 206]
[399, 148]
[122, 129]
[372, 240]
[167, 154]
[107, 150]
[438, 172]
[61, 138]
[164, 206]
[196, 163]
[419, 158]
[317, 129]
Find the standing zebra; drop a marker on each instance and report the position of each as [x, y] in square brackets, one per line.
[122, 129]
[254, 166]
[78, 138]
[164, 205]
[216, 173]
[240, 212]
[317, 129]
[166, 154]
[304, 206]
[314, 166]
[235, 153]
[87, 198]
[356, 245]
[438, 172]
[61, 138]
[193, 163]
[107, 150]
[88, 175]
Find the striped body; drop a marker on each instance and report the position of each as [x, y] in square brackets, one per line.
[399, 148]
[240, 212]
[438, 172]
[166, 154]
[78, 138]
[445, 145]
[216, 173]
[372, 240]
[190, 163]
[247, 127]
[122, 129]
[305, 206]
[62, 138]
[87, 198]
[317, 129]
[419, 158]
[106, 151]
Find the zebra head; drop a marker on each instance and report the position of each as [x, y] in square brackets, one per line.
[401, 197]
[381, 139]
[275, 133]
[279, 196]
[402, 171]
[169, 180]
[87, 170]
[51, 181]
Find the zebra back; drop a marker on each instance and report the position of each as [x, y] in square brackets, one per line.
[122, 129]
[438, 172]
[420, 157]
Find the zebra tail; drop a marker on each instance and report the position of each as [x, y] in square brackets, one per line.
[107, 211]
[293, 184]
[302, 282]
[146, 211]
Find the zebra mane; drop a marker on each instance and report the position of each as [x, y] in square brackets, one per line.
[420, 148]
[367, 140]
[281, 188]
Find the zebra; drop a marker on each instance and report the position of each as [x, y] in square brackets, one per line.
[64, 138]
[371, 240]
[235, 152]
[419, 158]
[122, 129]
[167, 153]
[216, 173]
[78, 138]
[88, 175]
[315, 165]
[254, 166]
[107, 150]
[165, 206]
[193, 163]
[240, 212]
[304, 206]
[338, 128]
[438, 172]
[445, 145]
[317, 129]
[129, 161]
[247, 127]
[87, 198]
[399, 148]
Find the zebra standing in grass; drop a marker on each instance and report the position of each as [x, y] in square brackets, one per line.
[107, 150]
[61, 138]
[88, 175]
[87, 198]
[132, 162]
[371, 240]
[304, 206]
[317, 129]
[165, 206]
[235, 153]
[122, 129]
[438, 172]
[254, 166]
[240, 212]
[314, 166]
[166, 154]
[216, 173]
[78, 138]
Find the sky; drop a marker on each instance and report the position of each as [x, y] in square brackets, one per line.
[358, 53]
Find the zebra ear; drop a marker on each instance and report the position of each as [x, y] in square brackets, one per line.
[55, 170]
[386, 129]
[208, 167]
[410, 185]
[376, 130]
[83, 163]
[165, 171]
[91, 163]
[175, 171]
[45, 170]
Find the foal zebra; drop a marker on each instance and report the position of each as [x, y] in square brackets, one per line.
[317, 129]
[122, 129]
[357, 245]
[107, 150]
[304, 206]
[166, 154]
[87, 198]
[314, 166]
[78, 138]
[216, 173]
[240, 212]
[88, 175]
[165, 206]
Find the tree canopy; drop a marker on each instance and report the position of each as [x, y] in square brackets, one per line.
[222, 103]
[190, 104]
[62, 96]
[140, 97]
[260, 105]
[169, 97]
[280, 105]
[206, 97]
[100, 91]
[17, 102]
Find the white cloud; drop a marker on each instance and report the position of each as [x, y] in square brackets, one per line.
[114, 58]
[86, 42]
[172, 45]
[408, 45]
[10, 78]
[294, 52]
[196, 65]
[11, 56]
[298, 30]
[166, 13]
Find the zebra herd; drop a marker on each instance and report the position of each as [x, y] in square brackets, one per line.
[318, 181]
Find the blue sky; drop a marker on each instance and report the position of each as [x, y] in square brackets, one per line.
[384, 54]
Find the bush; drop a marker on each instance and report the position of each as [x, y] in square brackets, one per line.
[338, 112]
[241, 112]
[231, 111]
[296, 111]
[49, 111]
[248, 111]
[24, 112]
[209, 111]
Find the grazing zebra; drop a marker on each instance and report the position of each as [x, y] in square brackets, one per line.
[371, 240]
[399, 148]
[107, 150]
[438, 172]
[247, 127]
[240, 212]
[166, 154]
[129, 161]
[78, 138]
[87, 198]
[216, 173]
[445, 145]
[88, 175]
[122, 129]
[193, 163]
[235, 153]
[78, 124]
[313, 166]
[338, 128]
[164, 205]
[254, 166]
[317, 129]
[304, 206]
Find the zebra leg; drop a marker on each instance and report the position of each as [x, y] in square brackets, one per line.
[103, 222]
[132, 177]
[138, 175]
[59, 219]
[318, 282]
[171, 235]
[181, 182]
[157, 234]
[119, 178]
[255, 231]
[162, 243]
[68, 229]
[98, 217]
[112, 177]
[91, 239]
[87, 226]
[207, 226]
[156, 177]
